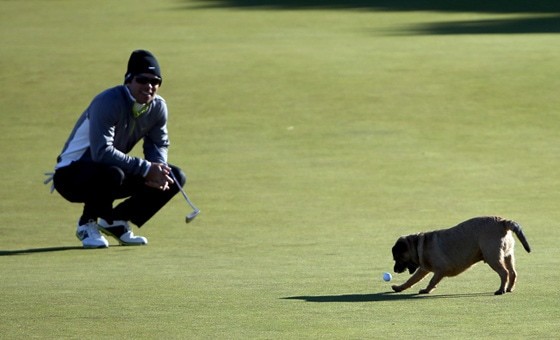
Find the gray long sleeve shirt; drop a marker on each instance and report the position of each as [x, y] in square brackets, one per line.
[107, 131]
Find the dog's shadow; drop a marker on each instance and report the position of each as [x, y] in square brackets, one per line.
[37, 250]
[380, 297]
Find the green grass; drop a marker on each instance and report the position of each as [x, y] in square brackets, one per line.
[312, 137]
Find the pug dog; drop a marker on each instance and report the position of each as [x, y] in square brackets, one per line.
[449, 252]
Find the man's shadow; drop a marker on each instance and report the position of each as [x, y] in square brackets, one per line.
[37, 250]
[380, 297]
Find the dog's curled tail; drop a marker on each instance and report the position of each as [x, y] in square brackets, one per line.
[516, 228]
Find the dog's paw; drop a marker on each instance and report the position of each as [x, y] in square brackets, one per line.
[424, 291]
[397, 288]
[499, 292]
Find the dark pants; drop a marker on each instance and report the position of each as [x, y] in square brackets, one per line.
[99, 185]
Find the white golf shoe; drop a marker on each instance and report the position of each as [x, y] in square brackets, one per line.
[121, 231]
[90, 236]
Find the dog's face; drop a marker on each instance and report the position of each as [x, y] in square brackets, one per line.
[402, 254]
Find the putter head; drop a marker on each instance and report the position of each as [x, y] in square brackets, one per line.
[192, 215]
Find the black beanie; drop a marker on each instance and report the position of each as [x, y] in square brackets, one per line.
[141, 61]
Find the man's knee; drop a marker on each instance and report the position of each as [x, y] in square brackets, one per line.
[114, 176]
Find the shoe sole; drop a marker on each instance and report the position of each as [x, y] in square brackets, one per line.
[90, 247]
[121, 242]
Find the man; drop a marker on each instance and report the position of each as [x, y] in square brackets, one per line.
[94, 167]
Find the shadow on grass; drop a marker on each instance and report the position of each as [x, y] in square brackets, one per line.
[530, 25]
[542, 15]
[380, 297]
[480, 6]
[37, 250]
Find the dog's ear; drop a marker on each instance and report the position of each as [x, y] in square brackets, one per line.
[400, 247]
[412, 246]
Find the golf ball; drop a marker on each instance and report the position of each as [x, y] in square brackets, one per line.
[387, 277]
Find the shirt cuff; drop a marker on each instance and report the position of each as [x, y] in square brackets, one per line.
[147, 170]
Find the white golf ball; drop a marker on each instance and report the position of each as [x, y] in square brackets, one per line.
[387, 277]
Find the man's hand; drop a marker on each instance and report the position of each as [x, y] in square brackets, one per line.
[158, 176]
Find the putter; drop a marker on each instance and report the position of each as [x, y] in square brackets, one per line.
[196, 211]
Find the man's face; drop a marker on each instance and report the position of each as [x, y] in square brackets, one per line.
[143, 87]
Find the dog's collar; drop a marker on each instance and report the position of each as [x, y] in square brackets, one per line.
[419, 246]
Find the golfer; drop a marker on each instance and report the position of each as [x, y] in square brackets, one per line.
[94, 167]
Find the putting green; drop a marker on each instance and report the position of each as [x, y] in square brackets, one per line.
[313, 137]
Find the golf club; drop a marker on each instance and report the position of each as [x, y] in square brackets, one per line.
[196, 211]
